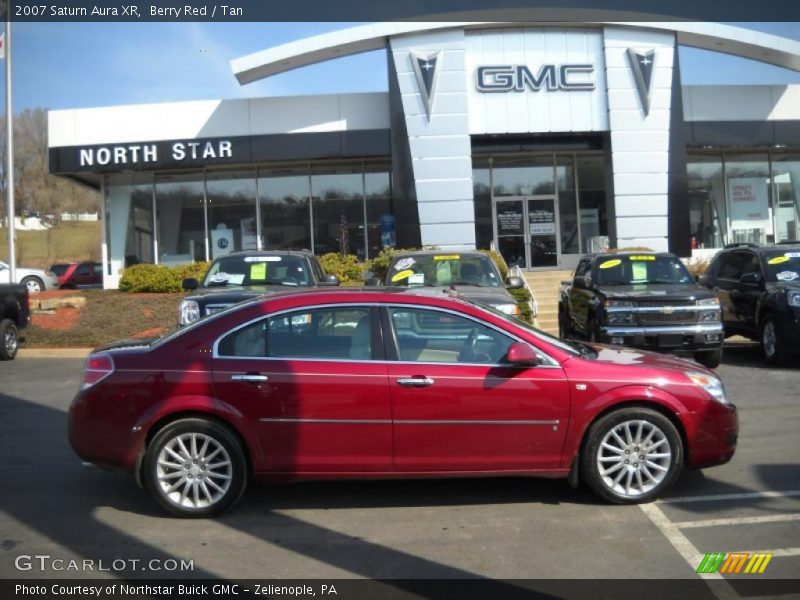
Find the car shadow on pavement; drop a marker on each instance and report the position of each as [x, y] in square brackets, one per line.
[748, 355]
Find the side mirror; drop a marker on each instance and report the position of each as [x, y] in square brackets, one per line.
[580, 283]
[330, 280]
[751, 278]
[514, 283]
[523, 355]
[372, 282]
[190, 284]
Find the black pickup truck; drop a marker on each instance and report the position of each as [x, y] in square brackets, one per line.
[243, 275]
[645, 300]
[15, 314]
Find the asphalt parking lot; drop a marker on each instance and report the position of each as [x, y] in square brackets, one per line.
[496, 528]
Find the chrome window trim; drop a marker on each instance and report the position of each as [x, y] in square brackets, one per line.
[553, 363]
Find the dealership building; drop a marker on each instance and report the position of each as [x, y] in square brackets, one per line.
[545, 141]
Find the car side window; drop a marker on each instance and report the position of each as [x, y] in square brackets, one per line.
[732, 267]
[323, 333]
[83, 269]
[580, 271]
[750, 263]
[432, 336]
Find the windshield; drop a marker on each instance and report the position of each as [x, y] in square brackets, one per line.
[258, 270]
[782, 265]
[635, 269]
[443, 270]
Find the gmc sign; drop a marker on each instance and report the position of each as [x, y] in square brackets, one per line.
[516, 78]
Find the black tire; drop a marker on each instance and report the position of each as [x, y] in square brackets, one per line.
[32, 283]
[774, 353]
[602, 483]
[709, 359]
[230, 451]
[563, 326]
[9, 339]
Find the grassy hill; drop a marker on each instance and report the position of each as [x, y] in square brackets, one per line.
[66, 242]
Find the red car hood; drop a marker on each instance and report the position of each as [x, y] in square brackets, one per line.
[619, 355]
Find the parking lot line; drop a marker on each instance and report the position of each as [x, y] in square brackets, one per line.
[736, 521]
[776, 552]
[724, 497]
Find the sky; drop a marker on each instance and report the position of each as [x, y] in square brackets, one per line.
[77, 65]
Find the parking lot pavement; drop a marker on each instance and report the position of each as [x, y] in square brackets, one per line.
[497, 528]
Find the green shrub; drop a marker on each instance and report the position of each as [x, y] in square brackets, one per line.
[347, 268]
[145, 277]
[523, 300]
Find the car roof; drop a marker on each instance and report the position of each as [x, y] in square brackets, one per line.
[439, 253]
[632, 253]
[304, 253]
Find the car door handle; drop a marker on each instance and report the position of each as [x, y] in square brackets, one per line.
[249, 377]
[415, 381]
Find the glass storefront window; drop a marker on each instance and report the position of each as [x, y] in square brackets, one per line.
[231, 212]
[747, 189]
[381, 232]
[593, 209]
[786, 189]
[707, 209]
[285, 214]
[482, 192]
[129, 221]
[530, 176]
[180, 208]
[338, 210]
[567, 205]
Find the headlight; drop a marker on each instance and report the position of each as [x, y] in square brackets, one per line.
[708, 302]
[189, 312]
[709, 314]
[621, 318]
[509, 309]
[793, 298]
[710, 383]
[619, 303]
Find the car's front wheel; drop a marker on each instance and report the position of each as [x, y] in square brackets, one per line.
[772, 341]
[632, 455]
[195, 468]
[9, 339]
[710, 359]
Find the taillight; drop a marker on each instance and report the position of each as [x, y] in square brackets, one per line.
[97, 368]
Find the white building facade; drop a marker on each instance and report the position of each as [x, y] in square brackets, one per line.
[545, 142]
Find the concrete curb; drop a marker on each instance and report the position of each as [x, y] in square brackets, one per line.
[54, 352]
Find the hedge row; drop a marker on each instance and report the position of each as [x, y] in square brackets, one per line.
[159, 278]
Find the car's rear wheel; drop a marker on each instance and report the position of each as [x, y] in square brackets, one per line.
[195, 468]
[593, 332]
[709, 359]
[9, 339]
[772, 346]
[34, 284]
[632, 455]
[563, 326]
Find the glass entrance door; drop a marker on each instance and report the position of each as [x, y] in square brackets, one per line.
[526, 231]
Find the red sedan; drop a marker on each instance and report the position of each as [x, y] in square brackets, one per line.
[353, 383]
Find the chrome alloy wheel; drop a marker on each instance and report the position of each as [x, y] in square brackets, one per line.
[10, 341]
[769, 339]
[194, 470]
[633, 458]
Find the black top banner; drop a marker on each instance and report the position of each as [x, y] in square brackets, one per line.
[427, 10]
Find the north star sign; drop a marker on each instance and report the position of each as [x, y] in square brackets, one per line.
[518, 78]
[132, 154]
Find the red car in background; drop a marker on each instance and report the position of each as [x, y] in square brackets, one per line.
[78, 275]
[360, 383]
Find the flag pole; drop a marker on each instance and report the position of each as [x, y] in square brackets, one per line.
[12, 259]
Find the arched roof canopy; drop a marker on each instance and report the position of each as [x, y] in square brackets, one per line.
[736, 41]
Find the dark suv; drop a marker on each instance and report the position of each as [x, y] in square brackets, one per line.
[759, 291]
[243, 275]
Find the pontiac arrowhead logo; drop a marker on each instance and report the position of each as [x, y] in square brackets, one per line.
[642, 67]
[426, 69]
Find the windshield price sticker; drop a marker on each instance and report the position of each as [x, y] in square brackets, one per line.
[404, 263]
[792, 254]
[642, 257]
[778, 260]
[787, 276]
[402, 275]
[258, 271]
[609, 264]
[447, 257]
[256, 259]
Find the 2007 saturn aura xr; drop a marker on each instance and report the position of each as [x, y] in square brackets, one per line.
[359, 383]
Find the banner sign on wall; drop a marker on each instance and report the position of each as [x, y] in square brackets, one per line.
[749, 203]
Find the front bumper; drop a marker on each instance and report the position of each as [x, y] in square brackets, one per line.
[673, 338]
